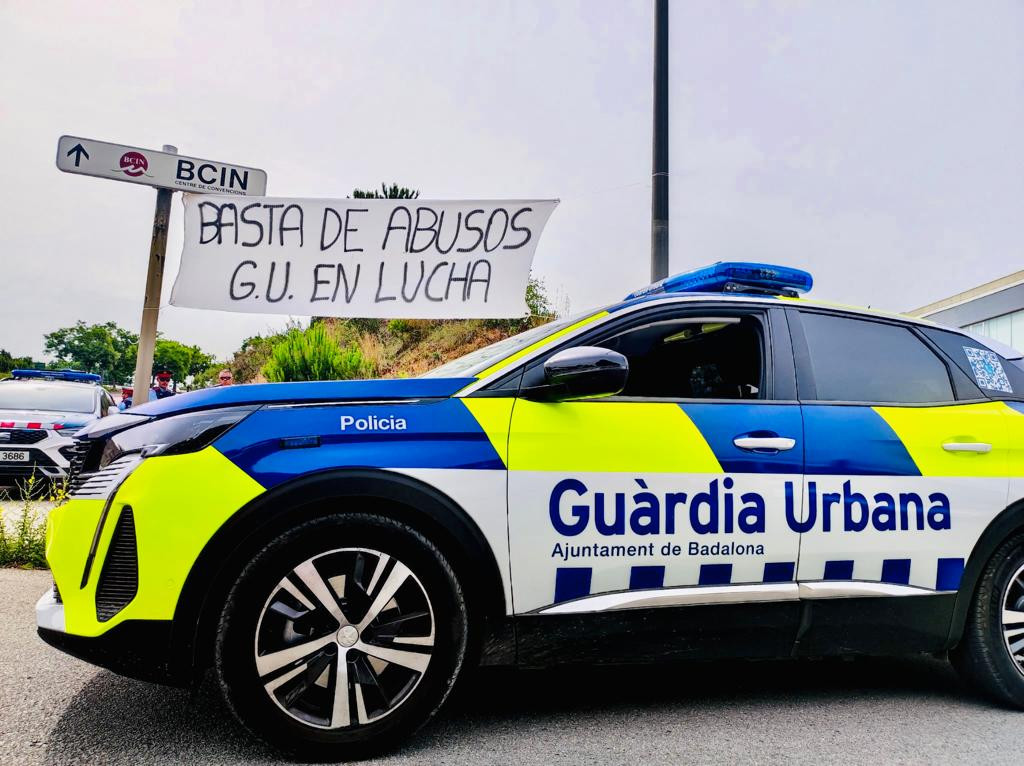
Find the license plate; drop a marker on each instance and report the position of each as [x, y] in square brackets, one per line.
[13, 456]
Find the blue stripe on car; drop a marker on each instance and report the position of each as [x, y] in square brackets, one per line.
[304, 393]
[437, 434]
[720, 423]
[571, 583]
[853, 440]
[948, 574]
[838, 570]
[779, 571]
[715, 574]
[642, 578]
[896, 571]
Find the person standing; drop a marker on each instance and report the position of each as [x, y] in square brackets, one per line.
[225, 378]
[162, 388]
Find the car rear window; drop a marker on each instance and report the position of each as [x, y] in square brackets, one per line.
[993, 372]
[857, 360]
[17, 395]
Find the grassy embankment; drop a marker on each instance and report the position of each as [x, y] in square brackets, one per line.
[394, 348]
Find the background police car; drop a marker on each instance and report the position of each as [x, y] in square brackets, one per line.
[40, 411]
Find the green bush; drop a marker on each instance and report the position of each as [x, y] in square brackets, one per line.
[399, 326]
[313, 355]
[23, 536]
[23, 544]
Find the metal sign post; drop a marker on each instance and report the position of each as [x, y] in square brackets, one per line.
[154, 285]
[168, 172]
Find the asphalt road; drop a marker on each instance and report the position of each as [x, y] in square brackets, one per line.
[57, 710]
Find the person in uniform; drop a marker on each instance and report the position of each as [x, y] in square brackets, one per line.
[162, 388]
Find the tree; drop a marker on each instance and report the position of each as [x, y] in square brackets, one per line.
[181, 360]
[9, 362]
[386, 192]
[313, 355]
[105, 349]
[111, 351]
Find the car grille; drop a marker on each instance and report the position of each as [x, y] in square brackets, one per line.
[23, 436]
[100, 483]
[119, 579]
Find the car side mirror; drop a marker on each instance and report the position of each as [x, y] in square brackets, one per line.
[584, 372]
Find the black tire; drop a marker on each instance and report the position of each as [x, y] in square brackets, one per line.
[983, 658]
[263, 613]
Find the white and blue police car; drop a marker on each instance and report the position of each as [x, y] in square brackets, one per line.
[714, 467]
[40, 411]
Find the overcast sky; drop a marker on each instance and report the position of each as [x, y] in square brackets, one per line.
[877, 144]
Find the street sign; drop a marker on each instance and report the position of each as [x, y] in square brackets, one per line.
[168, 172]
[163, 170]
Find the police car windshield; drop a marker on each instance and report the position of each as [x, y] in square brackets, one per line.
[57, 397]
[482, 358]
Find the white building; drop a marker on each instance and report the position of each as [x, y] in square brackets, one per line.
[994, 309]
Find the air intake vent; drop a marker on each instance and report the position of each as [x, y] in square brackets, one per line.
[119, 580]
[76, 460]
[100, 483]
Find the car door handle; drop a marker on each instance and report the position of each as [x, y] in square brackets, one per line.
[777, 443]
[980, 447]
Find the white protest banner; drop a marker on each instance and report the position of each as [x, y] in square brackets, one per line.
[413, 259]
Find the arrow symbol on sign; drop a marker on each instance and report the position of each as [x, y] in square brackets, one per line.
[78, 150]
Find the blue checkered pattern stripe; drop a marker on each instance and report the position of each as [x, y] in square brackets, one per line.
[575, 582]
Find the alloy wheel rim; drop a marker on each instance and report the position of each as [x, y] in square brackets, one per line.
[1012, 618]
[344, 638]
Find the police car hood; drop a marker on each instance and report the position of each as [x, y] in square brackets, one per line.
[299, 393]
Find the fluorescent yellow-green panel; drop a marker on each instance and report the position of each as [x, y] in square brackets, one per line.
[178, 502]
[607, 436]
[69, 531]
[1015, 440]
[493, 415]
[924, 431]
[539, 344]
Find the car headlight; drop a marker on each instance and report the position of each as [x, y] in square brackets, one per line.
[175, 435]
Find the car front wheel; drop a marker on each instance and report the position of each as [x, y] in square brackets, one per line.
[342, 637]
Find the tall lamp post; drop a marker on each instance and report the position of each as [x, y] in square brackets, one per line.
[659, 175]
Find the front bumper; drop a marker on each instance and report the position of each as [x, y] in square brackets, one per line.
[50, 612]
[135, 648]
[177, 503]
[48, 457]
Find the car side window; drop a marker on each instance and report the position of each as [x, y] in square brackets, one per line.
[854, 360]
[692, 358]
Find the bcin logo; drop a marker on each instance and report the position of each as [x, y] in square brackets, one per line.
[134, 164]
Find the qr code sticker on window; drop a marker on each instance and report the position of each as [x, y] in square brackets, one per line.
[988, 370]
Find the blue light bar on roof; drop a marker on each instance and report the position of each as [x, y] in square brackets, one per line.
[733, 277]
[71, 375]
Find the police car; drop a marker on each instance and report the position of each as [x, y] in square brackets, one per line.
[713, 467]
[40, 410]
